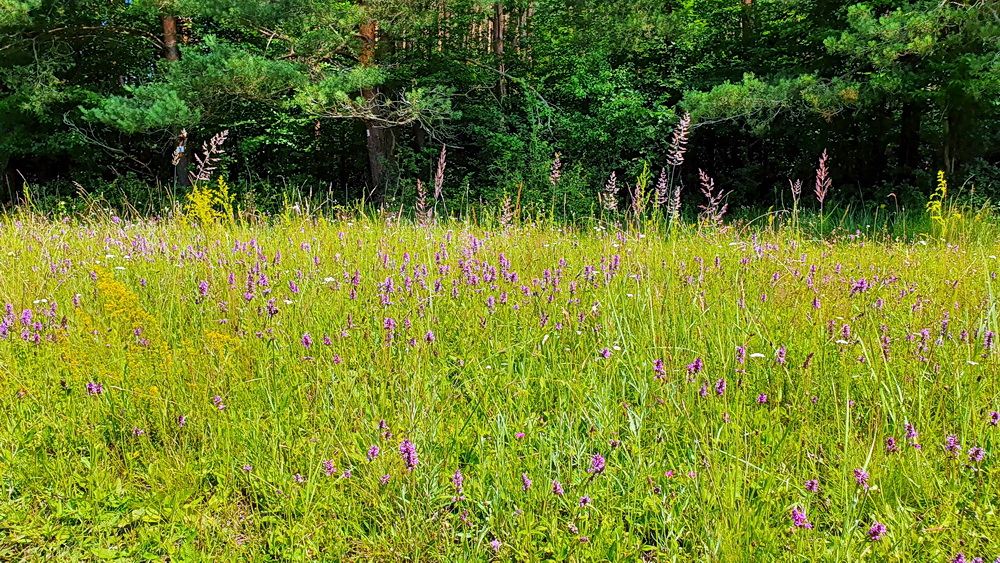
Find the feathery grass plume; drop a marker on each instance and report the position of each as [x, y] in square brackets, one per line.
[678, 142]
[439, 174]
[506, 216]
[674, 207]
[639, 194]
[823, 182]
[211, 154]
[796, 188]
[423, 212]
[662, 190]
[714, 209]
[609, 198]
[555, 174]
[675, 157]
[180, 148]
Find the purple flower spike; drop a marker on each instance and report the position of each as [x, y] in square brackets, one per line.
[877, 531]
[596, 464]
[799, 519]
[890, 446]
[861, 477]
[720, 387]
[951, 444]
[409, 453]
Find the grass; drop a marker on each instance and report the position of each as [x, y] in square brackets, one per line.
[505, 355]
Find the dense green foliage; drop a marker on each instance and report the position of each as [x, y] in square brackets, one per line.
[354, 99]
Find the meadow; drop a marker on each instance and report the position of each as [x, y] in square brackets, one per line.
[340, 388]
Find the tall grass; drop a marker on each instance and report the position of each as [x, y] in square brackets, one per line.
[193, 390]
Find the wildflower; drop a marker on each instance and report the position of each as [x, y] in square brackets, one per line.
[799, 519]
[605, 353]
[328, 468]
[877, 531]
[247, 468]
[596, 464]
[695, 366]
[94, 388]
[136, 431]
[346, 474]
[890, 446]
[762, 398]
[203, 288]
[661, 372]
[584, 501]
[557, 488]
[951, 444]
[994, 418]
[614, 443]
[525, 482]
[495, 544]
[218, 402]
[409, 453]
[911, 435]
[861, 477]
[704, 390]
[373, 453]
[976, 454]
[298, 478]
[519, 435]
[457, 480]
[812, 485]
[583, 539]
[181, 421]
[384, 479]
[780, 356]
[720, 387]
[307, 341]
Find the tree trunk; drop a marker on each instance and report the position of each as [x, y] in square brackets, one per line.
[172, 54]
[496, 41]
[379, 139]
